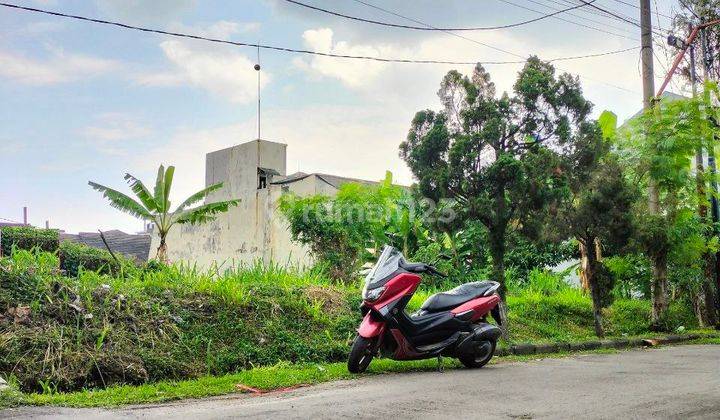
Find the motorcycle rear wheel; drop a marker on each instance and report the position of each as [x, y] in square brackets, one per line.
[361, 354]
[484, 352]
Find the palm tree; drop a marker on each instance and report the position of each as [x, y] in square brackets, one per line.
[156, 207]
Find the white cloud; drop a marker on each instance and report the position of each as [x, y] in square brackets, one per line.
[10, 147]
[220, 70]
[348, 71]
[59, 67]
[155, 11]
[111, 132]
[43, 27]
[413, 86]
[354, 141]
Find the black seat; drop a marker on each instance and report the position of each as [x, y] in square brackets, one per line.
[447, 300]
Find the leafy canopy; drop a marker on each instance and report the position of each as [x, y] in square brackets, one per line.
[501, 159]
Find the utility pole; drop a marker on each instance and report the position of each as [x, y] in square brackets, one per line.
[707, 66]
[648, 83]
[659, 281]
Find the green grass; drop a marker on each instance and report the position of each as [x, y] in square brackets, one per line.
[264, 378]
[159, 326]
[270, 378]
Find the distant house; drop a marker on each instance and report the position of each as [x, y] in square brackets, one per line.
[134, 246]
[255, 173]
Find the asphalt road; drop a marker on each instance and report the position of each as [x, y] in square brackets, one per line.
[669, 382]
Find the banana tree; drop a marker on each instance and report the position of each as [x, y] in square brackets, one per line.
[155, 207]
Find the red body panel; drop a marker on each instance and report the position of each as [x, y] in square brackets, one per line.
[481, 306]
[370, 328]
[399, 286]
[405, 350]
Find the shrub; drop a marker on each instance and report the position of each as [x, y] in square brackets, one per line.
[542, 282]
[27, 237]
[632, 274]
[170, 322]
[632, 316]
[73, 256]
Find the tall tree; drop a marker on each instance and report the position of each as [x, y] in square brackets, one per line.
[660, 147]
[499, 158]
[692, 13]
[599, 212]
[155, 207]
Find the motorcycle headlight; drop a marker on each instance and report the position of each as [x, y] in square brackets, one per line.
[373, 294]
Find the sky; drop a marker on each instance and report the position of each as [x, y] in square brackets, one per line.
[81, 101]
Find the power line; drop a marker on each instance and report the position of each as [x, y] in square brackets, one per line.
[446, 31]
[243, 44]
[605, 26]
[426, 28]
[293, 50]
[569, 21]
[611, 13]
[638, 7]
[284, 49]
[619, 16]
[478, 42]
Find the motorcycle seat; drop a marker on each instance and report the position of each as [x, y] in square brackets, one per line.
[444, 301]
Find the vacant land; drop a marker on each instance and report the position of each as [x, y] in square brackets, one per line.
[678, 381]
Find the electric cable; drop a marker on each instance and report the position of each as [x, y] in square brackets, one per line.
[569, 21]
[425, 28]
[472, 40]
[301, 51]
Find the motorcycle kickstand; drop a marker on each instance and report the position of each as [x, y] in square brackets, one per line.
[440, 367]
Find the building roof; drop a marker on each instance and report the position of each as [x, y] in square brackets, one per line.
[332, 180]
[268, 171]
[664, 97]
[12, 224]
[131, 245]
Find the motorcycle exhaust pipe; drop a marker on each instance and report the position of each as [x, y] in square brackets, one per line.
[482, 332]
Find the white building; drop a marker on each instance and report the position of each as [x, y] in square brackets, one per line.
[255, 173]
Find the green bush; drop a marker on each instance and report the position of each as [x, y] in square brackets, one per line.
[27, 237]
[172, 322]
[73, 256]
[632, 317]
[632, 274]
[169, 322]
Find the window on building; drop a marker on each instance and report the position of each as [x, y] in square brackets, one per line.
[265, 177]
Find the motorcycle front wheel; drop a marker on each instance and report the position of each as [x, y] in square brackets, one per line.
[361, 354]
[484, 351]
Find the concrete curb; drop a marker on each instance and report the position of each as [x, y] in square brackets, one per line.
[524, 349]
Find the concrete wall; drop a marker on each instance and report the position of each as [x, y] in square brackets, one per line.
[254, 230]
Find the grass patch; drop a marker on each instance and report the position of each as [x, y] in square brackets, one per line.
[264, 378]
[159, 326]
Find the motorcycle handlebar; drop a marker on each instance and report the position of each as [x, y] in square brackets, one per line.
[421, 268]
[433, 270]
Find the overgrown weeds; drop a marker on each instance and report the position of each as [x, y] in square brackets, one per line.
[170, 323]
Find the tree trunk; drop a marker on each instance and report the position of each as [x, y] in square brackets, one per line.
[497, 253]
[162, 251]
[705, 302]
[583, 267]
[595, 292]
[700, 308]
[658, 292]
[705, 299]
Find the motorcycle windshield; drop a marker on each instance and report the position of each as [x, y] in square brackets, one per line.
[387, 264]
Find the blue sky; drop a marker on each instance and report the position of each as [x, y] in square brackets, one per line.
[83, 101]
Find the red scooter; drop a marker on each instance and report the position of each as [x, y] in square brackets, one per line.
[452, 323]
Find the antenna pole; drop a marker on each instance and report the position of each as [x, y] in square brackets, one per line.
[257, 68]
